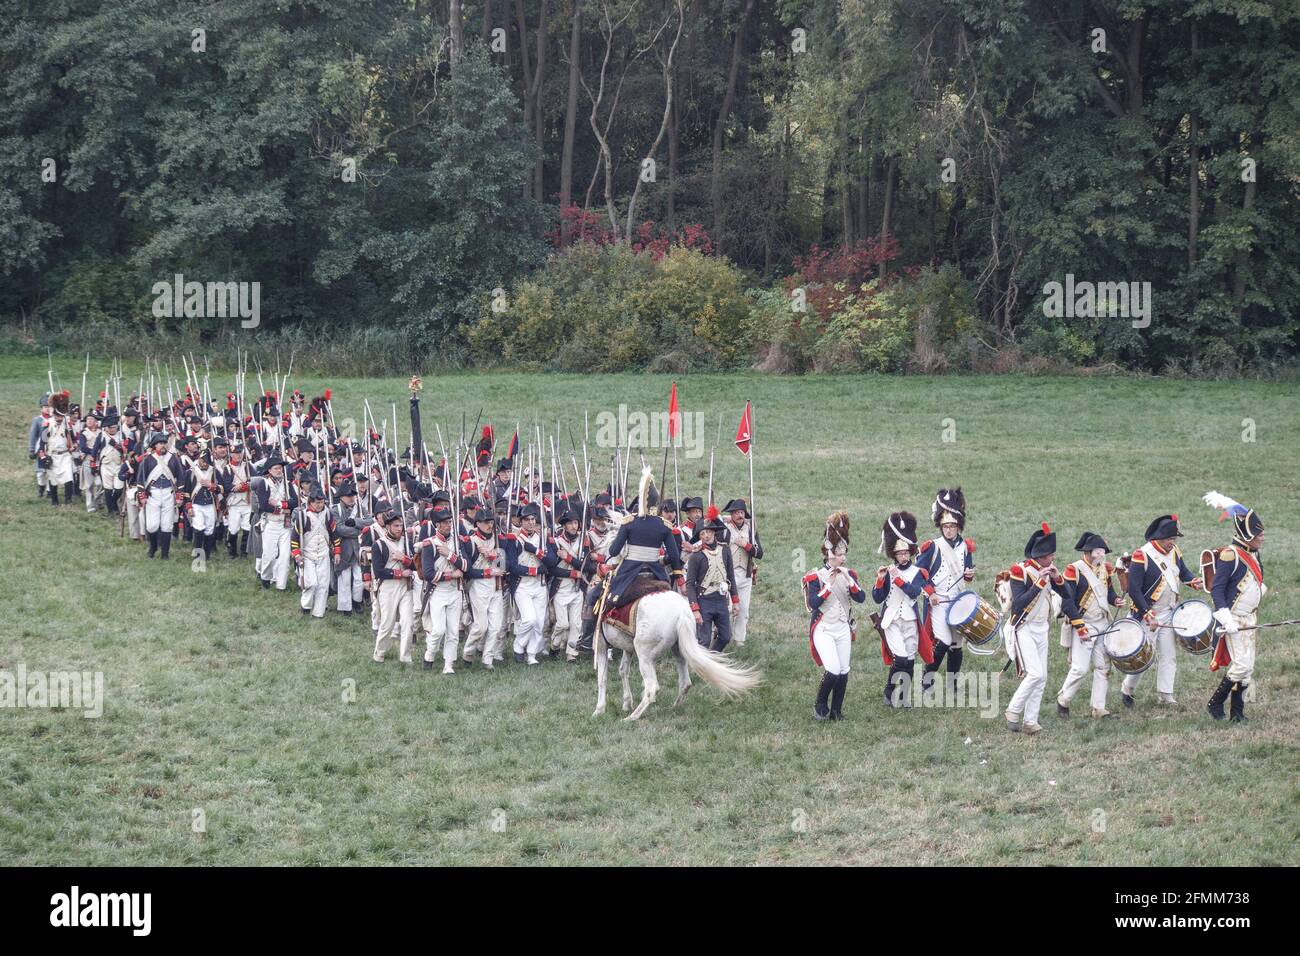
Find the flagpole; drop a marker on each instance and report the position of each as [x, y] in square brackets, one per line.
[753, 505]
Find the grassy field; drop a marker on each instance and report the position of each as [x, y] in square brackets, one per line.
[224, 705]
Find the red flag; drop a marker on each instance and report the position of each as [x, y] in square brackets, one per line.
[674, 415]
[514, 446]
[743, 435]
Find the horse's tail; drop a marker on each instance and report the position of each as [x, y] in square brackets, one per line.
[733, 680]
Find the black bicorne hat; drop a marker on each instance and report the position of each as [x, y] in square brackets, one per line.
[1090, 540]
[1041, 543]
[1166, 526]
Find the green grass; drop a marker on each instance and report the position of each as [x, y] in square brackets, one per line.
[221, 698]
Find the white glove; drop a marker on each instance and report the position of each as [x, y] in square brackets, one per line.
[1224, 616]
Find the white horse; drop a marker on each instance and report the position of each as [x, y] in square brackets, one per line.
[663, 621]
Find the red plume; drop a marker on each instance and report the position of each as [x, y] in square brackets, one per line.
[711, 513]
[1046, 529]
[1175, 517]
[487, 432]
[327, 394]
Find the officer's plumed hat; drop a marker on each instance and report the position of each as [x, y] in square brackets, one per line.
[1246, 523]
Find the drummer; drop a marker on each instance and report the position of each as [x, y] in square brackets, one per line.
[1237, 584]
[949, 560]
[1085, 581]
[1154, 575]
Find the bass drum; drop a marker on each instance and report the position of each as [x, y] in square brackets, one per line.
[1128, 647]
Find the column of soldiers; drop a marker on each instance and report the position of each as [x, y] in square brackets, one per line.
[1088, 596]
[481, 557]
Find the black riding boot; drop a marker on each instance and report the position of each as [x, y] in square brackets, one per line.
[40, 490]
[909, 668]
[820, 710]
[166, 540]
[232, 543]
[927, 677]
[54, 495]
[69, 491]
[1215, 706]
[153, 537]
[1238, 705]
[837, 696]
[898, 685]
[243, 544]
[588, 633]
[209, 542]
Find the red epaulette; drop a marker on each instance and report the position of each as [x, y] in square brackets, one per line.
[1017, 572]
[1071, 573]
[970, 545]
[810, 576]
[925, 545]
[1139, 556]
[507, 536]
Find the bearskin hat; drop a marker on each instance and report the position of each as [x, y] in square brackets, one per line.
[483, 456]
[899, 526]
[60, 401]
[836, 539]
[949, 502]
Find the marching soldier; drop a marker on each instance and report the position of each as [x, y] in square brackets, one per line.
[108, 463]
[827, 593]
[160, 483]
[485, 574]
[35, 434]
[1088, 583]
[1154, 575]
[350, 519]
[90, 444]
[949, 563]
[1033, 583]
[595, 569]
[746, 550]
[442, 567]
[525, 560]
[392, 560]
[897, 589]
[276, 501]
[235, 475]
[56, 446]
[202, 498]
[1237, 585]
[711, 586]
[314, 545]
[692, 520]
[564, 562]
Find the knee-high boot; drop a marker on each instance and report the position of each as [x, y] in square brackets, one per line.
[232, 543]
[153, 537]
[54, 495]
[837, 696]
[166, 540]
[1238, 706]
[209, 542]
[820, 709]
[69, 490]
[243, 544]
[909, 668]
[927, 676]
[1215, 706]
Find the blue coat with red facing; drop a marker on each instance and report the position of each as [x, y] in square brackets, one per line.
[815, 595]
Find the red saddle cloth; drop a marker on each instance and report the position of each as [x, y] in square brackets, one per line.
[624, 613]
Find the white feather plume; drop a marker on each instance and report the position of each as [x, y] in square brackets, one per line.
[1216, 500]
[644, 488]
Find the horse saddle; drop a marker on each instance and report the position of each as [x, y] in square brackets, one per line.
[623, 616]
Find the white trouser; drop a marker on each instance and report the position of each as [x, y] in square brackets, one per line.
[1241, 646]
[134, 516]
[273, 565]
[1031, 642]
[739, 623]
[939, 622]
[203, 518]
[1166, 654]
[530, 601]
[1085, 656]
[833, 641]
[568, 620]
[239, 518]
[441, 620]
[487, 607]
[350, 587]
[160, 510]
[395, 618]
[316, 574]
[902, 637]
[91, 486]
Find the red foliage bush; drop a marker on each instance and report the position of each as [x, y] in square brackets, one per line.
[589, 226]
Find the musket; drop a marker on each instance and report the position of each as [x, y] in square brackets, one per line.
[50, 358]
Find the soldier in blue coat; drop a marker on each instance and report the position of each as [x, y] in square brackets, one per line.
[647, 543]
[1235, 579]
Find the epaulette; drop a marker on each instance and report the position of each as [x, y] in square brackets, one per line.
[970, 545]
[1071, 573]
[1228, 554]
[925, 545]
[1139, 556]
[627, 519]
[1017, 572]
[667, 524]
[809, 577]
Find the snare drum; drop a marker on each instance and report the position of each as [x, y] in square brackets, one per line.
[1193, 625]
[1128, 646]
[973, 618]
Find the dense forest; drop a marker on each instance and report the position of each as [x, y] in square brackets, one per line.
[788, 184]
